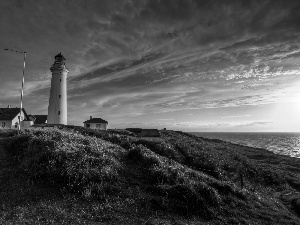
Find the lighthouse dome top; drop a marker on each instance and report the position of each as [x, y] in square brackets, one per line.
[59, 63]
[59, 57]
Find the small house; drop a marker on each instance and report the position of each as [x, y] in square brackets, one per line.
[95, 123]
[12, 119]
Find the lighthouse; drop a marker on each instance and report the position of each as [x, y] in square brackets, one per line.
[57, 109]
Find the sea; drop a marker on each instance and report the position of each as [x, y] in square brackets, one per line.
[279, 143]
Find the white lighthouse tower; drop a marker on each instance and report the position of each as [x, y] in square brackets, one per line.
[57, 109]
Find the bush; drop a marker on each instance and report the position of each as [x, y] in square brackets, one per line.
[141, 155]
[81, 164]
[295, 203]
[186, 199]
[135, 130]
[16, 146]
[6, 132]
[160, 147]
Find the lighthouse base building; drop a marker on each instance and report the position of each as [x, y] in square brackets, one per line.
[57, 109]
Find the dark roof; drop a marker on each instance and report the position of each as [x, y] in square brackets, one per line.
[40, 119]
[11, 113]
[95, 120]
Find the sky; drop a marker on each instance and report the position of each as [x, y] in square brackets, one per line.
[190, 65]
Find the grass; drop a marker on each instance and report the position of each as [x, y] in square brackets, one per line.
[78, 175]
[6, 132]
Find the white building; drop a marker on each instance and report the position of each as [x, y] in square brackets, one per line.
[57, 109]
[95, 123]
[9, 118]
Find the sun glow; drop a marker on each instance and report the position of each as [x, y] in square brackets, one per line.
[287, 111]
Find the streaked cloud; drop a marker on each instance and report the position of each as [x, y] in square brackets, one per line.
[145, 58]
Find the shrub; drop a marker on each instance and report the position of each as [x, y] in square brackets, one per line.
[81, 164]
[6, 132]
[160, 147]
[295, 203]
[186, 199]
[17, 145]
[135, 130]
[141, 155]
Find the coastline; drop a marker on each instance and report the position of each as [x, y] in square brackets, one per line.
[261, 155]
[282, 143]
[289, 164]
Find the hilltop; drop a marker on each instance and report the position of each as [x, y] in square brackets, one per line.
[83, 176]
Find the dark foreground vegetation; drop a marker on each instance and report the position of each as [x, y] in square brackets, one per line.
[82, 176]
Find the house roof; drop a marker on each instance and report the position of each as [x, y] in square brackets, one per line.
[95, 120]
[10, 113]
[40, 119]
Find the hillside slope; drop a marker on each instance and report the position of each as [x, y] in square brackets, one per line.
[82, 176]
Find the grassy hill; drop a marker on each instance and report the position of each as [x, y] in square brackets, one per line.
[82, 176]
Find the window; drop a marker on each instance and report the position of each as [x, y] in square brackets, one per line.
[59, 80]
[58, 112]
[59, 96]
[98, 126]
[88, 125]
[16, 125]
[3, 124]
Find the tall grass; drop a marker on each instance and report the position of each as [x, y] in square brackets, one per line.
[181, 189]
[176, 174]
[83, 164]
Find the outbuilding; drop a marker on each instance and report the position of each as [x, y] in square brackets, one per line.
[96, 123]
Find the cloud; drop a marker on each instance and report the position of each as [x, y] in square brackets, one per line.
[254, 124]
[224, 117]
[145, 57]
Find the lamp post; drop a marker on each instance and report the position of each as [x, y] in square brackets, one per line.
[23, 80]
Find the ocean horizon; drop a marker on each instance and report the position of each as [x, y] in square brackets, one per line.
[283, 143]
